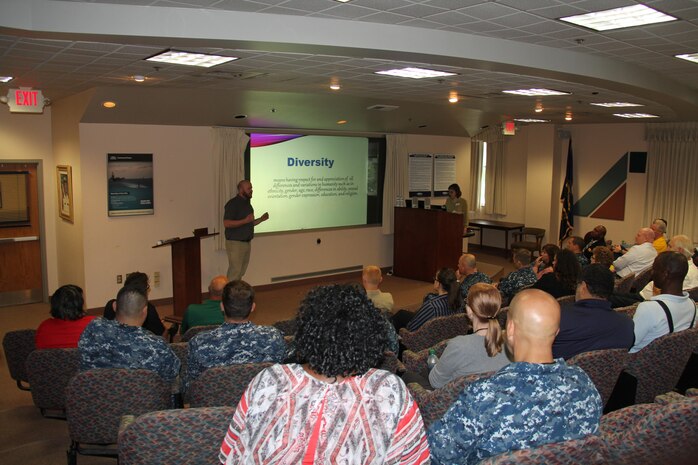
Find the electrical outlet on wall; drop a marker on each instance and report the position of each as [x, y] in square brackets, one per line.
[156, 279]
[119, 279]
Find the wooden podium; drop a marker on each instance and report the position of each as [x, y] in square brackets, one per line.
[186, 271]
[425, 241]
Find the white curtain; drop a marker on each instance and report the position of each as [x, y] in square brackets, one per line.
[672, 172]
[495, 184]
[228, 169]
[395, 177]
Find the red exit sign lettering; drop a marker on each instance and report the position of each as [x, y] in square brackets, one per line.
[25, 101]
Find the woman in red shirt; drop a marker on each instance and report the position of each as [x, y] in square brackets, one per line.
[68, 320]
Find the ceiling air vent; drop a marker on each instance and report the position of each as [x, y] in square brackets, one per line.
[382, 107]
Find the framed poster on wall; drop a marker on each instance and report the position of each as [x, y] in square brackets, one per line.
[130, 184]
[64, 178]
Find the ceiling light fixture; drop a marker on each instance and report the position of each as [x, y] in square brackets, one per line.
[335, 86]
[568, 116]
[688, 56]
[139, 78]
[5, 78]
[453, 97]
[635, 115]
[617, 104]
[108, 104]
[342, 121]
[539, 107]
[343, 1]
[531, 120]
[415, 73]
[617, 18]
[177, 57]
[535, 92]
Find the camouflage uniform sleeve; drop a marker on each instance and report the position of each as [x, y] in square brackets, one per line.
[452, 438]
[277, 346]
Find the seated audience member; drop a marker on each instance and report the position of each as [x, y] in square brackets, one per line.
[124, 343]
[672, 310]
[639, 257]
[603, 256]
[445, 301]
[590, 323]
[371, 279]
[237, 340]
[534, 400]
[479, 352]
[658, 227]
[563, 280]
[594, 238]
[343, 410]
[522, 276]
[456, 204]
[209, 312]
[468, 274]
[575, 244]
[139, 281]
[67, 322]
[683, 245]
[544, 262]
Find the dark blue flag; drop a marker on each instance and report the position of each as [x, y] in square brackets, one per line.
[567, 220]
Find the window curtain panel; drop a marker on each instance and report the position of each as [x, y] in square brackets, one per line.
[229, 146]
[672, 167]
[475, 174]
[395, 177]
[495, 185]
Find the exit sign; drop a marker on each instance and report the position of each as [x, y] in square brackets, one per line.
[25, 101]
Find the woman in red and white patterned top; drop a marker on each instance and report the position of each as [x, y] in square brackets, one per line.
[332, 407]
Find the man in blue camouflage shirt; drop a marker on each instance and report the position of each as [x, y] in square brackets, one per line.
[522, 276]
[533, 401]
[123, 343]
[237, 340]
[468, 274]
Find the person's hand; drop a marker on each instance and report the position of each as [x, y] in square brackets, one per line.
[249, 218]
[264, 217]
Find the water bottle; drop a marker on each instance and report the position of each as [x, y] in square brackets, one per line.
[432, 359]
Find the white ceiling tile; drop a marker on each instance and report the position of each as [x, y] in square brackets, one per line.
[517, 20]
[487, 11]
[418, 11]
[385, 18]
[450, 18]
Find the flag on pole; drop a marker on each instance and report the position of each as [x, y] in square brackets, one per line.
[567, 219]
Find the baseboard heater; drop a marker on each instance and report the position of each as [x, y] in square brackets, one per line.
[315, 274]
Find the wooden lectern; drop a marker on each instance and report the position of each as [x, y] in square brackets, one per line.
[186, 271]
[425, 241]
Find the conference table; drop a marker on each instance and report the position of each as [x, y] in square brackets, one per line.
[497, 226]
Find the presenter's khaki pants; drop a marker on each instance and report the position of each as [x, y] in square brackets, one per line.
[238, 258]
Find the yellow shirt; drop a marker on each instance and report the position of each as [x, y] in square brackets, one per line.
[660, 244]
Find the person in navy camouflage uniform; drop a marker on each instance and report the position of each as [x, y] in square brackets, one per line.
[522, 276]
[468, 274]
[533, 401]
[237, 340]
[123, 343]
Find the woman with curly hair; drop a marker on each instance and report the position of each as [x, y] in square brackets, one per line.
[332, 407]
[444, 301]
[563, 280]
[67, 322]
[479, 352]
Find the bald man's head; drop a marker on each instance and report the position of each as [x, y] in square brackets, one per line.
[215, 289]
[532, 324]
[644, 235]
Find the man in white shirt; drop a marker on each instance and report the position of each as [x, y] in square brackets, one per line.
[678, 312]
[683, 245]
[639, 257]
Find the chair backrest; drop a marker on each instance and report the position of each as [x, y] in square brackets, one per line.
[660, 364]
[223, 386]
[97, 399]
[624, 284]
[193, 331]
[434, 331]
[18, 345]
[641, 279]
[693, 293]
[629, 310]
[287, 327]
[566, 299]
[417, 361]
[49, 371]
[392, 364]
[192, 435]
[181, 350]
[589, 450]
[433, 404]
[603, 367]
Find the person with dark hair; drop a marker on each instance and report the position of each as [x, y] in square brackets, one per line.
[575, 244]
[522, 276]
[532, 401]
[68, 320]
[141, 282]
[237, 340]
[544, 263]
[468, 274]
[209, 312]
[594, 238]
[445, 301]
[341, 407]
[124, 343]
[590, 323]
[479, 352]
[603, 256]
[672, 310]
[563, 280]
[456, 204]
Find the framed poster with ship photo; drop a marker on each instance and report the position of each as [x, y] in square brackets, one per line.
[64, 179]
[130, 184]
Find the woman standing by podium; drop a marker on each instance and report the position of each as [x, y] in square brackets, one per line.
[456, 204]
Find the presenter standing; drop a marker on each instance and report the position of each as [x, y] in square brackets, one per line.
[456, 204]
[239, 223]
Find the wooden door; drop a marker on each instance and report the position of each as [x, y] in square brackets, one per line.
[21, 278]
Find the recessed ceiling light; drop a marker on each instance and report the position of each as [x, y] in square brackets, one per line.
[635, 115]
[415, 73]
[688, 56]
[568, 116]
[139, 78]
[343, 1]
[535, 92]
[531, 120]
[190, 59]
[342, 121]
[617, 104]
[453, 97]
[627, 16]
[108, 104]
[335, 86]
[5, 78]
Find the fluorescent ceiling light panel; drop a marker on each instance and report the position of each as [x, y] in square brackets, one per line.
[617, 104]
[689, 56]
[531, 120]
[535, 92]
[617, 18]
[635, 115]
[415, 73]
[5, 78]
[190, 59]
